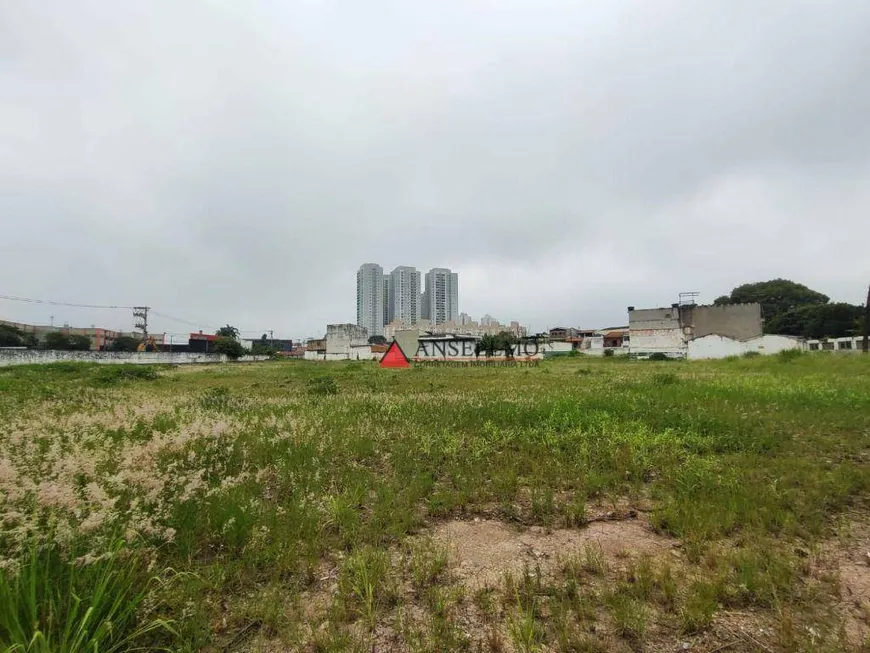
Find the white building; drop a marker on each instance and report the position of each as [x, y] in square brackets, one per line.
[846, 345]
[404, 295]
[441, 296]
[370, 301]
[346, 342]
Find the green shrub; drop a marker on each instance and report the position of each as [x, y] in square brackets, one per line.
[788, 355]
[112, 374]
[658, 356]
[322, 386]
[231, 347]
[217, 399]
[751, 354]
[609, 352]
[665, 378]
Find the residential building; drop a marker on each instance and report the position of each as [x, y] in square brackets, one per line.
[559, 334]
[386, 311]
[441, 296]
[404, 295]
[615, 337]
[370, 298]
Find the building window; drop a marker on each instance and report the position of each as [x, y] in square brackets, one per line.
[844, 345]
[814, 346]
[827, 345]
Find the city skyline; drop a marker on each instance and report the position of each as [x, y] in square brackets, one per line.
[383, 298]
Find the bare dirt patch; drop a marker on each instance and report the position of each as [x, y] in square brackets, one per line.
[852, 557]
[484, 550]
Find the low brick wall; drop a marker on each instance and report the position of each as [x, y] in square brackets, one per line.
[35, 357]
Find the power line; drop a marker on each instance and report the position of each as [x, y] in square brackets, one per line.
[178, 319]
[46, 301]
[198, 325]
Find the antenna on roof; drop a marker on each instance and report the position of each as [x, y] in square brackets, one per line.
[688, 298]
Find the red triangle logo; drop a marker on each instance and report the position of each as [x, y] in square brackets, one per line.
[394, 357]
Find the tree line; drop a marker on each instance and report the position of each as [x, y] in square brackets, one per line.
[793, 309]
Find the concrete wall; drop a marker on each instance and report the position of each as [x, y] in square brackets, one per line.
[738, 321]
[558, 347]
[342, 338]
[33, 356]
[654, 330]
[716, 346]
[356, 353]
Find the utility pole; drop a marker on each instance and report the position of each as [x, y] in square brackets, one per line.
[140, 317]
[864, 346]
[271, 340]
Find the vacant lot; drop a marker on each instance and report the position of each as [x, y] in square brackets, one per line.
[584, 505]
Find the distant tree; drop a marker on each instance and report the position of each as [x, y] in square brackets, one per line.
[125, 343]
[229, 346]
[506, 341]
[56, 340]
[377, 340]
[782, 303]
[11, 336]
[263, 347]
[229, 332]
[835, 320]
[780, 293]
[79, 343]
[488, 344]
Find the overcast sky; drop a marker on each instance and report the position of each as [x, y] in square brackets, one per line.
[237, 161]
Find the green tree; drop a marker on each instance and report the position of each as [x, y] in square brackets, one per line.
[229, 346]
[263, 347]
[259, 349]
[506, 341]
[125, 343]
[377, 340]
[488, 344]
[229, 331]
[79, 343]
[834, 320]
[11, 336]
[777, 298]
[57, 341]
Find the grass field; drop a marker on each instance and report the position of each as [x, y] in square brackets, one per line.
[583, 505]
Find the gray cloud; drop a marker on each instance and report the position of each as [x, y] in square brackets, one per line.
[233, 163]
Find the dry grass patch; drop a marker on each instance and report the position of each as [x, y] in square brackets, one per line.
[484, 550]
